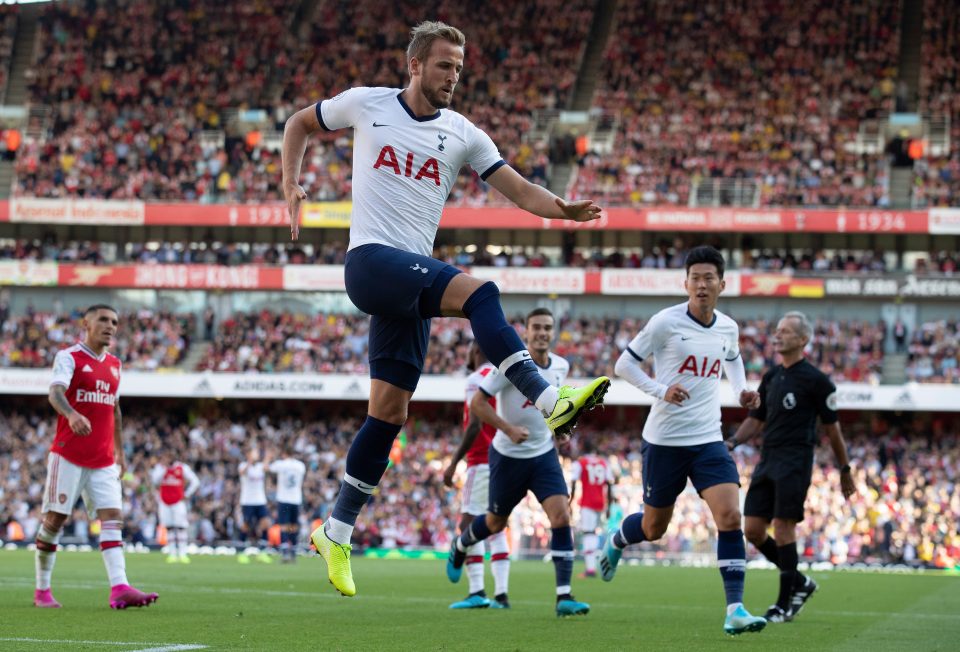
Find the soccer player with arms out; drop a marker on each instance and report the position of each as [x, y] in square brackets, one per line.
[86, 458]
[475, 495]
[523, 457]
[692, 345]
[792, 395]
[290, 473]
[408, 149]
[176, 482]
[596, 496]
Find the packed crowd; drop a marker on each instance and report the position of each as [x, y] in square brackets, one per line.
[269, 341]
[937, 178]
[768, 92]
[665, 254]
[9, 19]
[133, 91]
[147, 340]
[906, 510]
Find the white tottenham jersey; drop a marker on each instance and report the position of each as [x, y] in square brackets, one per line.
[252, 480]
[290, 474]
[403, 166]
[517, 410]
[692, 354]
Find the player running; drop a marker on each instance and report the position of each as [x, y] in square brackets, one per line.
[290, 473]
[596, 496]
[474, 495]
[176, 482]
[86, 458]
[408, 149]
[524, 458]
[692, 345]
[792, 395]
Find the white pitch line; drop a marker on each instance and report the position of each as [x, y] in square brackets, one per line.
[163, 647]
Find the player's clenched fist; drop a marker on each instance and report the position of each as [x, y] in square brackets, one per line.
[517, 434]
[79, 424]
[676, 394]
[749, 400]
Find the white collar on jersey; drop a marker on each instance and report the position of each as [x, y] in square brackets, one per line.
[86, 349]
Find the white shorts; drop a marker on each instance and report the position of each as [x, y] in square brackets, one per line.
[173, 515]
[589, 520]
[66, 482]
[475, 496]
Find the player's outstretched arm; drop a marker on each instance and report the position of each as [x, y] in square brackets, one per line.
[469, 435]
[295, 132]
[839, 447]
[628, 368]
[79, 424]
[538, 200]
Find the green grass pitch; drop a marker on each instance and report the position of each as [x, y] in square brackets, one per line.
[403, 605]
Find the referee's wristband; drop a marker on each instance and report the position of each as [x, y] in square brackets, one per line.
[845, 468]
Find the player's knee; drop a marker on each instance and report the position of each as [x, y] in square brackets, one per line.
[755, 533]
[496, 523]
[653, 531]
[784, 532]
[729, 519]
[480, 294]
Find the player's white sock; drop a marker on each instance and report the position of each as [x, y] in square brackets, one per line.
[45, 559]
[181, 538]
[547, 400]
[499, 561]
[474, 565]
[338, 531]
[590, 542]
[111, 547]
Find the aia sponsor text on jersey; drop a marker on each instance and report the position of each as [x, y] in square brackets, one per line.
[430, 169]
[700, 367]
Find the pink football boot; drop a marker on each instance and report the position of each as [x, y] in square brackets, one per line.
[44, 599]
[124, 595]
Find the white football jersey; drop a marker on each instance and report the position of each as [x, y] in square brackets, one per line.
[692, 354]
[403, 166]
[252, 481]
[517, 410]
[290, 474]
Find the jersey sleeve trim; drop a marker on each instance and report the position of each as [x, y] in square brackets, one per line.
[486, 393]
[733, 358]
[631, 352]
[320, 117]
[493, 168]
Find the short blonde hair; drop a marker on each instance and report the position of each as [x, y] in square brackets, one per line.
[423, 35]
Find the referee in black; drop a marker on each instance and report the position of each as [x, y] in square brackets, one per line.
[792, 395]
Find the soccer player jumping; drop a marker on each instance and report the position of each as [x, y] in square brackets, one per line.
[692, 345]
[86, 458]
[407, 151]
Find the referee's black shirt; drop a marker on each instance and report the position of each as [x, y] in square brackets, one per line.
[791, 399]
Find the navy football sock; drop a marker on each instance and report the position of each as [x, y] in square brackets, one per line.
[367, 459]
[478, 531]
[501, 344]
[561, 549]
[732, 560]
[631, 531]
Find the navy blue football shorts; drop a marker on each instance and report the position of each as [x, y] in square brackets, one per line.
[288, 514]
[512, 477]
[666, 469]
[401, 291]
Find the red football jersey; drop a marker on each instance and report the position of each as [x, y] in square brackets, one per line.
[93, 385]
[481, 445]
[594, 475]
[171, 485]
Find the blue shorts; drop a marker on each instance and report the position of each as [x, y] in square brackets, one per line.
[401, 291]
[253, 514]
[666, 469]
[288, 514]
[512, 477]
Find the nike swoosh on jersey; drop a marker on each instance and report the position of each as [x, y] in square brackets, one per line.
[376, 125]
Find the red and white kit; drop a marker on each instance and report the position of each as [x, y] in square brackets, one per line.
[476, 488]
[177, 482]
[84, 465]
[594, 475]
